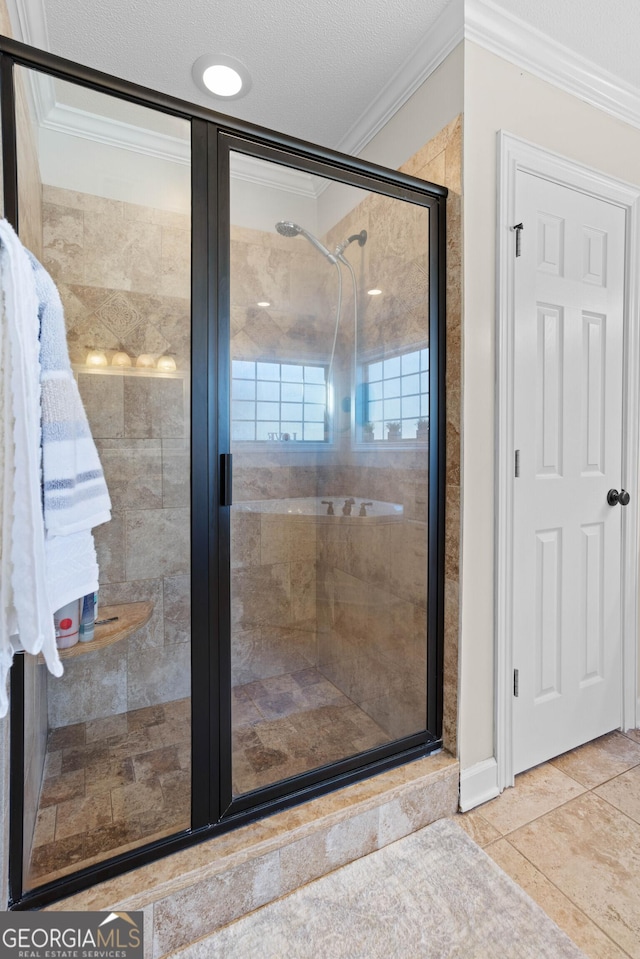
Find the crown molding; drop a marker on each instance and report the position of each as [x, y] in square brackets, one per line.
[71, 121]
[29, 22]
[264, 173]
[499, 32]
[91, 126]
[443, 37]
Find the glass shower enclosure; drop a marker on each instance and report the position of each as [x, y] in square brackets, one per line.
[256, 329]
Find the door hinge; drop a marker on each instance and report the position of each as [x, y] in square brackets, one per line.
[516, 683]
[519, 227]
[516, 464]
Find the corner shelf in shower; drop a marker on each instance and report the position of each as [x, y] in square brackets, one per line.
[131, 616]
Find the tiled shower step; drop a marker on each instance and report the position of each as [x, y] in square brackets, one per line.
[194, 892]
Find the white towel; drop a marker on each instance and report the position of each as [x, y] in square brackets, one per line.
[75, 492]
[25, 610]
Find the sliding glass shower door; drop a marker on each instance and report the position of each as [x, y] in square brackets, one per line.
[329, 374]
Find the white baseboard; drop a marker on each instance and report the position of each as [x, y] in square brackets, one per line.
[478, 784]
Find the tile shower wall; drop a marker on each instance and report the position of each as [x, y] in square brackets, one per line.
[123, 272]
[440, 161]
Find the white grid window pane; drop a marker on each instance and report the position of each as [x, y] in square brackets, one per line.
[397, 390]
[314, 432]
[410, 363]
[314, 414]
[244, 430]
[392, 410]
[243, 411]
[291, 392]
[315, 394]
[268, 371]
[375, 392]
[410, 407]
[375, 372]
[391, 367]
[289, 397]
[268, 411]
[292, 373]
[268, 391]
[410, 385]
[392, 387]
[292, 411]
[244, 389]
[243, 369]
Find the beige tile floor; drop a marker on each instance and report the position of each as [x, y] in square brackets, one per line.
[569, 833]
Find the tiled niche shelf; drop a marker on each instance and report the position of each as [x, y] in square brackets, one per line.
[130, 617]
[129, 371]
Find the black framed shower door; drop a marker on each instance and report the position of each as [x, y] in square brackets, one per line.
[296, 551]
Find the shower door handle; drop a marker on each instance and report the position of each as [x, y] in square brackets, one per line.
[226, 479]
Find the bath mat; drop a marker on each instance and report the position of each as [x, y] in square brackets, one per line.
[432, 895]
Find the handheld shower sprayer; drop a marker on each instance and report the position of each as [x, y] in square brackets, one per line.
[287, 228]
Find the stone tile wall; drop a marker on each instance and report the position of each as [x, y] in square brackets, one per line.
[440, 161]
[123, 272]
[273, 595]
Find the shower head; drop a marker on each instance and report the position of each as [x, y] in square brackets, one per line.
[287, 228]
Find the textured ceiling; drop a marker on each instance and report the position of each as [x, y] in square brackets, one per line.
[316, 68]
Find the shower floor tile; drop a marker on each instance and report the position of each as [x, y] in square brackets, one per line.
[115, 784]
[111, 785]
[287, 725]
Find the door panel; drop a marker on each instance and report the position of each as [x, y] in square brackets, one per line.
[569, 333]
[329, 525]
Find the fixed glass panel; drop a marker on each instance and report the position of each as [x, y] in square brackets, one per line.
[105, 205]
[329, 289]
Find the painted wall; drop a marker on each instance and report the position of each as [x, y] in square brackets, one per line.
[497, 96]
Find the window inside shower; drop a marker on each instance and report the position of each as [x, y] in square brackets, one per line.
[253, 326]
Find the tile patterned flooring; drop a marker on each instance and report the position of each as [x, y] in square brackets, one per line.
[569, 834]
[290, 724]
[113, 784]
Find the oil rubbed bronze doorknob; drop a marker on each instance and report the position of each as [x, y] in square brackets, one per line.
[614, 497]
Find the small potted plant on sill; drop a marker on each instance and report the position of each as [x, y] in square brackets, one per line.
[367, 432]
[422, 430]
[394, 431]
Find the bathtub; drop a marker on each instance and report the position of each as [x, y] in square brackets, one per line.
[316, 506]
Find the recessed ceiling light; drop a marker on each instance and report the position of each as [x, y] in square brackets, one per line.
[221, 76]
[263, 303]
[374, 292]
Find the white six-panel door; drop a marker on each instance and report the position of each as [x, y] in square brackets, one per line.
[568, 416]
